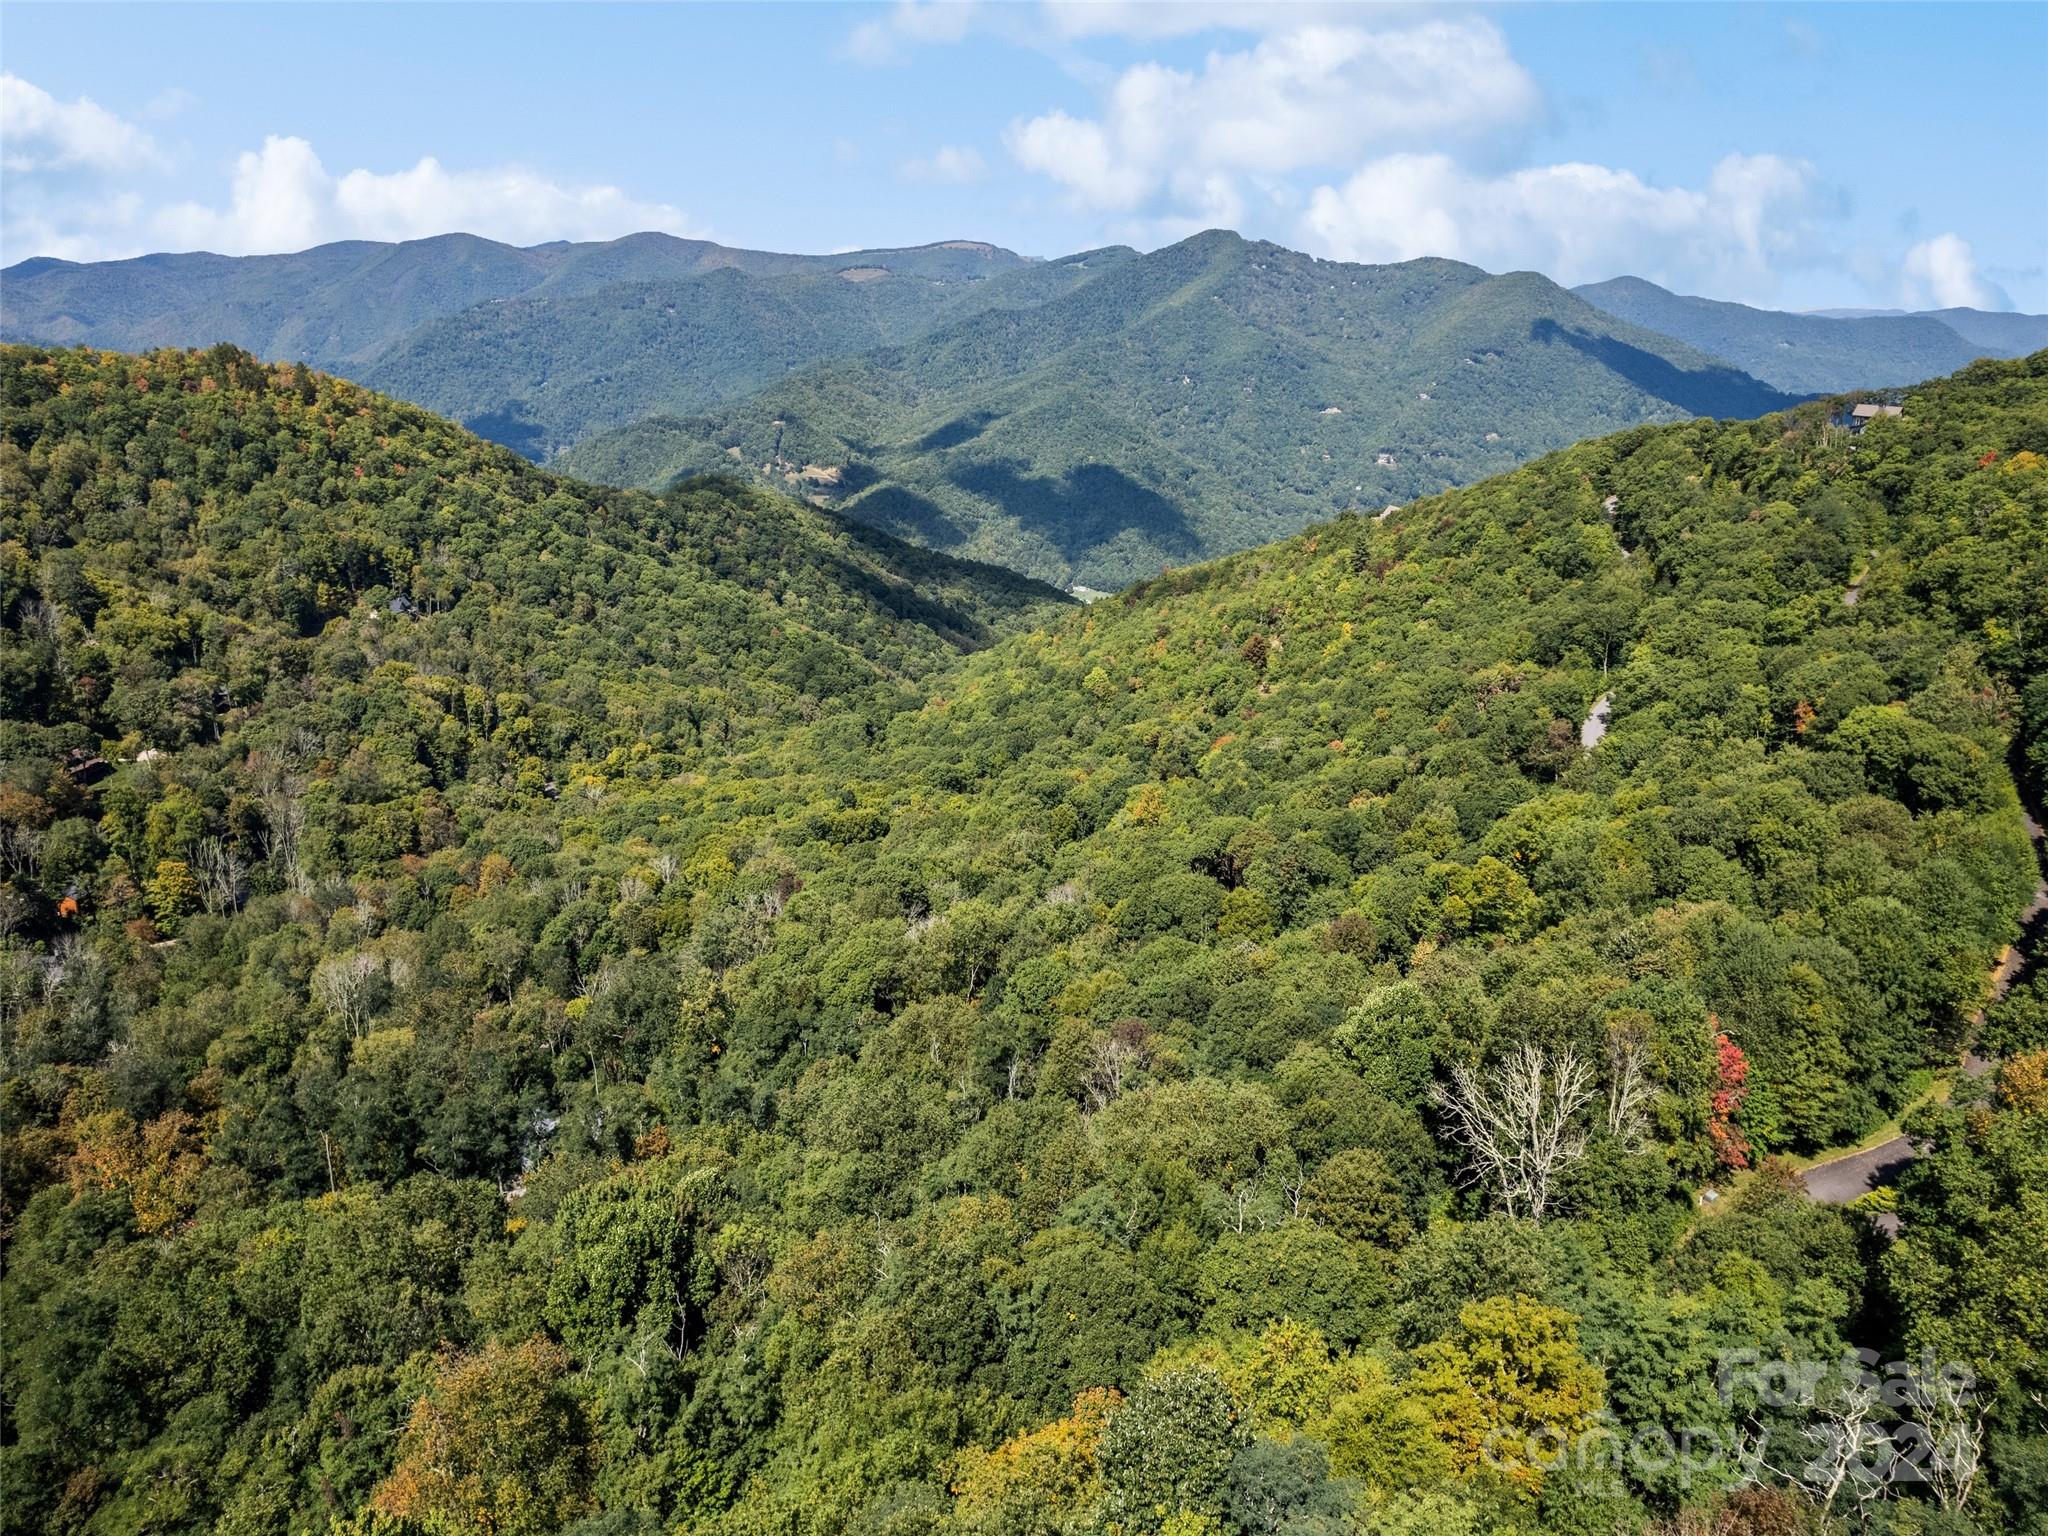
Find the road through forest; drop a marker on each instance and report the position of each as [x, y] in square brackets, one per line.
[1839, 1180]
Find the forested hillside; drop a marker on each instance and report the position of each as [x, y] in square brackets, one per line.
[652, 1036]
[534, 347]
[541, 373]
[1806, 354]
[2002, 333]
[1212, 395]
[339, 306]
[231, 535]
[1997, 332]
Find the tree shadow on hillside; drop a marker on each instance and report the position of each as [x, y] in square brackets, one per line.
[907, 515]
[1716, 391]
[1088, 506]
[962, 429]
[958, 627]
[511, 425]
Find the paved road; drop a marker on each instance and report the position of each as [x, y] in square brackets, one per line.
[1855, 593]
[1844, 1179]
[1596, 721]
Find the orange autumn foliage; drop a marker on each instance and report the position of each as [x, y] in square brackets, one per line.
[499, 1446]
[157, 1165]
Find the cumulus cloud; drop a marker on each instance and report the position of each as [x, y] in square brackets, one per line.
[1942, 274]
[1578, 222]
[93, 230]
[40, 133]
[1312, 96]
[949, 163]
[1391, 138]
[1080, 155]
[282, 198]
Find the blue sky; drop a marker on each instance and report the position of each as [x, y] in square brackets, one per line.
[1797, 156]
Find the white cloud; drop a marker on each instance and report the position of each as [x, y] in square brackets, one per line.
[1803, 39]
[1079, 155]
[1387, 139]
[59, 155]
[888, 38]
[283, 199]
[950, 163]
[40, 133]
[1578, 222]
[93, 230]
[1942, 274]
[1313, 96]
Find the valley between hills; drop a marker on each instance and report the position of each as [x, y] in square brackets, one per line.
[535, 1006]
[592, 939]
[1086, 420]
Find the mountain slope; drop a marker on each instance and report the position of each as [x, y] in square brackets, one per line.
[2002, 334]
[1204, 397]
[221, 524]
[1811, 354]
[1998, 333]
[336, 306]
[548, 369]
[442, 1096]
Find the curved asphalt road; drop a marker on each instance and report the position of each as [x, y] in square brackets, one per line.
[1842, 1179]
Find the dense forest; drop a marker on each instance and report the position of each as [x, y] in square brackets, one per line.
[543, 372]
[533, 1008]
[536, 347]
[1199, 399]
[343, 305]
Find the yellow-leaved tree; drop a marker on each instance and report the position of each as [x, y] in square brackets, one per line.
[1507, 1388]
[499, 1445]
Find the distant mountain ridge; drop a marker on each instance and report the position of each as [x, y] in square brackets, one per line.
[2000, 329]
[544, 370]
[1085, 420]
[337, 306]
[2008, 332]
[1825, 351]
[1208, 396]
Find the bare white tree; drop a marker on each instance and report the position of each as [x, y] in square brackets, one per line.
[1243, 1192]
[593, 987]
[222, 875]
[21, 850]
[1949, 1413]
[284, 826]
[21, 978]
[40, 618]
[350, 987]
[1853, 1453]
[1115, 1056]
[1628, 1086]
[1520, 1122]
[1295, 1186]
